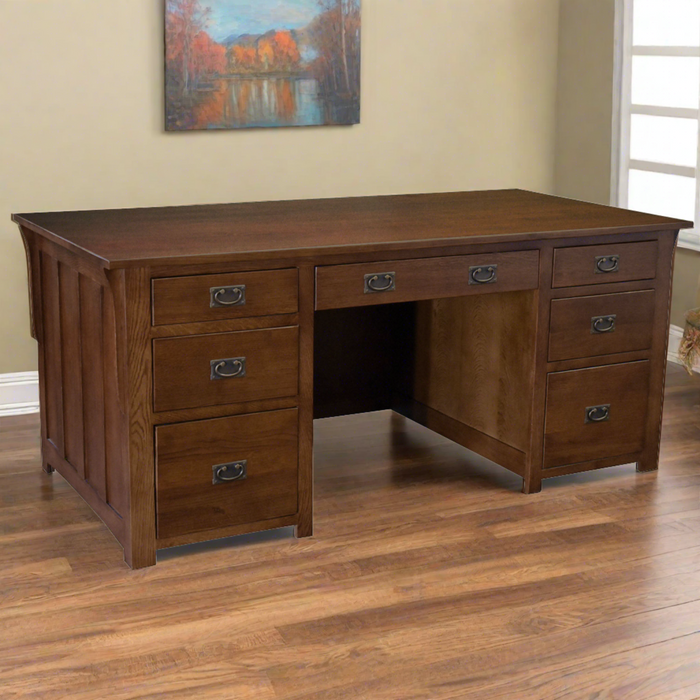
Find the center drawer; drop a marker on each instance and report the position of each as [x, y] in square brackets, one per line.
[227, 471]
[225, 368]
[388, 282]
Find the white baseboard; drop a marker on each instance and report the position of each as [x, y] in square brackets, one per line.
[19, 393]
[674, 343]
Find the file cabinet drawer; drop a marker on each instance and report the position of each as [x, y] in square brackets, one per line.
[223, 368]
[388, 282]
[595, 413]
[603, 264]
[224, 296]
[601, 325]
[227, 471]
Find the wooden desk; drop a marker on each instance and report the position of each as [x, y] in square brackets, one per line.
[184, 352]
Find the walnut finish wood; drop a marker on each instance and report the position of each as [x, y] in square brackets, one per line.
[428, 568]
[182, 369]
[474, 362]
[569, 438]
[188, 299]
[470, 361]
[572, 335]
[341, 286]
[358, 225]
[574, 267]
[186, 499]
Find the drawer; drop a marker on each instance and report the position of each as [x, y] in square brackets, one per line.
[230, 295]
[601, 325]
[576, 431]
[252, 459]
[602, 264]
[367, 284]
[223, 368]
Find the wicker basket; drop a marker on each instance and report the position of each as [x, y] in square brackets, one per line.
[689, 352]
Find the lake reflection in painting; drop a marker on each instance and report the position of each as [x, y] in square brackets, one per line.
[232, 64]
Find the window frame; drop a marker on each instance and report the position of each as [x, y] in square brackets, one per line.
[623, 109]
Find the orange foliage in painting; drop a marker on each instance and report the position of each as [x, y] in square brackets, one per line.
[275, 51]
[209, 57]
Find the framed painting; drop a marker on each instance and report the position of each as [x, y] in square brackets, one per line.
[241, 64]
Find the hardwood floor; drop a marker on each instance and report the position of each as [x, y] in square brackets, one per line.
[430, 576]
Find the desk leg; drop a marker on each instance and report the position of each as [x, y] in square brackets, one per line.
[532, 479]
[307, 286]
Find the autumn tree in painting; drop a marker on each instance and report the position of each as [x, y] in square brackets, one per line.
[190, 52]
[274, 52]
[335, 36]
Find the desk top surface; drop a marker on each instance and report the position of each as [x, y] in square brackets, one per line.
[296, 229]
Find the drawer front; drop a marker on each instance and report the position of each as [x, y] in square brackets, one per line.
[209, 370]
[603, 264]
[368, 284]
[252, 458]
[217, 297]
[595, 413]
[601, 325]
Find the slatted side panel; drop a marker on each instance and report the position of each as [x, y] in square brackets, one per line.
[93, 384]
[72, 380]
[83, 415]
[115, 456]
[50, 304]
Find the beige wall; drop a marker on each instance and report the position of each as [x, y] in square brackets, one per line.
[584, 99]
[456, 95]
[584, 124]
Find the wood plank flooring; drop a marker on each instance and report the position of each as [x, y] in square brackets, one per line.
[430, 577]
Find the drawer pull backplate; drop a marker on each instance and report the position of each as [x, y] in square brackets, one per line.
[226, 473]
[607, 263]
[603, 324]
[227, 296]
[598, 414]
[383, 282]
[483, 274]
[227, 369]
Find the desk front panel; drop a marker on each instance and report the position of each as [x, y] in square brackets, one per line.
[393, 281]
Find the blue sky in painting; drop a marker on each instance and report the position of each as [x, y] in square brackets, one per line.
[258, 16]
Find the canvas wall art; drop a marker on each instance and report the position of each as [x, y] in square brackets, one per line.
[238, 64]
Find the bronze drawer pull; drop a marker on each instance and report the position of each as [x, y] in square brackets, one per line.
[603, 324]
[218, 296]
[226, 473]
[598, 414]
[483, 274]
[383, 282]
[607, 263]
[219, 367]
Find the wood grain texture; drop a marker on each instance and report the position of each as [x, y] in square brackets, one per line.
[53, 370]
[571, 335]
[235, 232]
[474, 362]
[576, 266]
[342, 286]
[182, 368]
[569, 438]
[187, 500]
[305, 517]
[131, 294]
[662, 320]
[72, 370]
[188, 299]
[430, 577]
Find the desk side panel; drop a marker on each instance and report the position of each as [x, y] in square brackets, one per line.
[82, 427]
